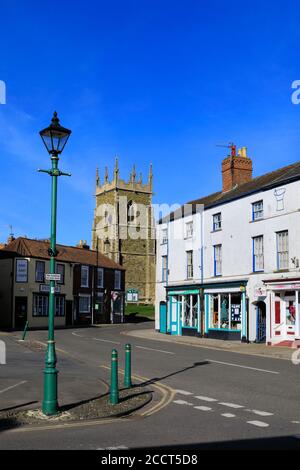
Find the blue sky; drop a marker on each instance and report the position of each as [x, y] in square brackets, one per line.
[152, 81]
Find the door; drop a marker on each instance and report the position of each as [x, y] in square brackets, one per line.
[261, 323]
[20, 312]
[163, 317]
[289, 314]
[69, 313]
[175, 312]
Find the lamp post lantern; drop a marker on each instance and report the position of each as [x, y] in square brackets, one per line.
[55, 138]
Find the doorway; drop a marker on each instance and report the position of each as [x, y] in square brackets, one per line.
[20, 312]
[69, 313]
[261, 334]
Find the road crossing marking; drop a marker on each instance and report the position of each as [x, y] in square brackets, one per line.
[231, 405]
[208, 399]
[259, 424]
[203, 408]
[228, 415]
[157, 350]
[261, 413]
[182, 402]
[242, 367]
[106, 341]
[183, 392]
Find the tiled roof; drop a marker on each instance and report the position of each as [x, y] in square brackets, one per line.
[39, 249]
[261, 183]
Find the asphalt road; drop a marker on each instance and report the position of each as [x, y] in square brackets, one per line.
[222, 399]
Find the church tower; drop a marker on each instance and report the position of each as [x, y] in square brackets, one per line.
[124, 228]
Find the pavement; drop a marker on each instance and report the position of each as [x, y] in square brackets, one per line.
[211, 398]
[255, 349]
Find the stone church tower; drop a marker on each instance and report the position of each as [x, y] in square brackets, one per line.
[124, 228]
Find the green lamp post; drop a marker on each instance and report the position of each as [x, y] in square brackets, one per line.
[55, 138]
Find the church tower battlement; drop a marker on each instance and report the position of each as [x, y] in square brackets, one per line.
[124, 227]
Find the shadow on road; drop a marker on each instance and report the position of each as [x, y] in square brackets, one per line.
[159, 379]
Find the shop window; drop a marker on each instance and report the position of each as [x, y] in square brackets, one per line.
[190, 311]
[214, 311]
[290, 308]
[225, 312]
[283, 250]
[59, 306]
[99, 302]
[40, 305]
[84, 304]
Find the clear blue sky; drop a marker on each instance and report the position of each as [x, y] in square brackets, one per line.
[152, 81]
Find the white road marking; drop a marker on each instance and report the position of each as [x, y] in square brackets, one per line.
[182, 402]
[231, 405]
[295, 422]
[208, 399]
[76, 334]
[228, 415]
[261, 413]
[203, 408]
[259, 424]
[183, 392]
[113, 448]
[243, 367]
[13, 386]
[157, 350]
[106, 341]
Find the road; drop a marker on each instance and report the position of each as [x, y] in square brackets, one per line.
[222, 399]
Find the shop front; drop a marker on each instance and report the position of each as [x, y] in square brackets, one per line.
[226, 311]
[284, 309]
[183, 311]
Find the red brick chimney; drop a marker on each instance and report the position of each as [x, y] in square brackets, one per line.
[236, 169]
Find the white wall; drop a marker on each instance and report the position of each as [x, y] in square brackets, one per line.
[236, 235]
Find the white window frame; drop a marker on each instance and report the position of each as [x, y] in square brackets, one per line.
[87, 270]
[257, 210]
[164, 268]
[189, 229]
[40, 274]
[190, 264]
[217, 260]
[40, 301]
[282, 243]
[100, 277]
[217, 221]
[60, 303]
[164, 236]
[88, 297]
[62, 273]
[117, 283]
[258, 254]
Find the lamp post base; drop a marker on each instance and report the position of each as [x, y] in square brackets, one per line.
[50, 403]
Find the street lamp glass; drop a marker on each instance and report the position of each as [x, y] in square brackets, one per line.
[55, 136]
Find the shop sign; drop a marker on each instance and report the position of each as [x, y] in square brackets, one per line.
[21, 270]
[285, 286]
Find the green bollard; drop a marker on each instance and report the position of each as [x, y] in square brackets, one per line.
[114, 388]
[25, 331]
[127, 376]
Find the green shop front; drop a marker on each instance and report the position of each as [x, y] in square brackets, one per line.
[225, 307]
[183, 311]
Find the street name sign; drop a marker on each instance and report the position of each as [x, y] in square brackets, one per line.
[53, 277]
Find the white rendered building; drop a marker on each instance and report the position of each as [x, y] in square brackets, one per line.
[228, 264]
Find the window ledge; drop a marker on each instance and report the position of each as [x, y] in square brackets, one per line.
[281, 271]
[217, 230]
[256, 220]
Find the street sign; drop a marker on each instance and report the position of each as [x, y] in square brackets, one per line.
[132, 295]
[53, 277]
